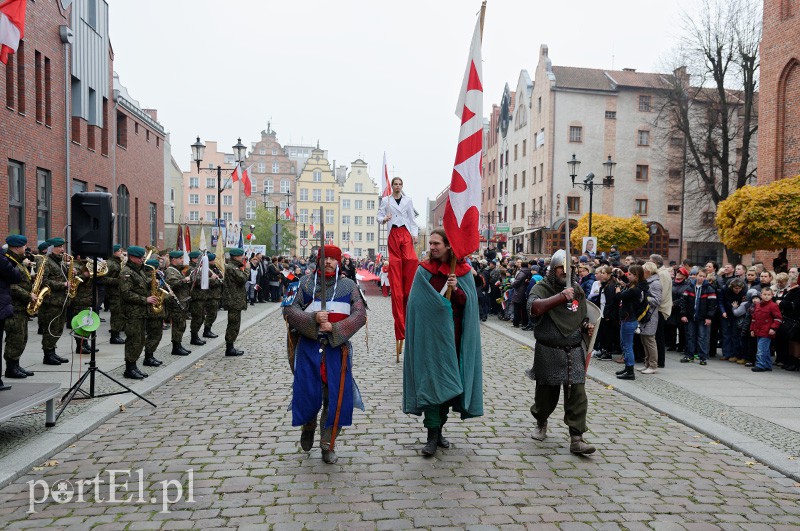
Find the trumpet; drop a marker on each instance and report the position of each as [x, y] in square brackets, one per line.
[102, 267]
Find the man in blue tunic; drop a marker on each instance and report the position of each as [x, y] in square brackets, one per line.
[323, 352]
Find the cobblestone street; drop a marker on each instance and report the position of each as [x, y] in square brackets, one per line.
[222, 431]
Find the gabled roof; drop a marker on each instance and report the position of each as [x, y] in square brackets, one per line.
[570, 77]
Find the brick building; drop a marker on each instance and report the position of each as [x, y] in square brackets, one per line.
[779, 101]
[273, 176]
[85, 135]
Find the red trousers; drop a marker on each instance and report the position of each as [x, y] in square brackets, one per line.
[385, 291]
[403, 264]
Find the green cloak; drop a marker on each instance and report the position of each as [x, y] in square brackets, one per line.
[431, 371]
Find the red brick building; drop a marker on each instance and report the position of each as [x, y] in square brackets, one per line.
[779, 100]
[86, 135]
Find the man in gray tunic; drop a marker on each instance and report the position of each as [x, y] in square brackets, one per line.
[558, 313]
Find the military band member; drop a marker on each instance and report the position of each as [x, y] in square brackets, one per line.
[40, 257]
[112, 293]
[52, 313]
[197, 305]
[234, 298]
[180, 285]
[81, 301]
[134, 289]
[211, 306]
[16, 326]
[154, 324]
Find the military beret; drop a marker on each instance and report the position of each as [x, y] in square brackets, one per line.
[193, 254]
[117, 247]
[136, 251]
[211, 257]
[176, 254]
[56, 242]
[236, 251]
[153, 263]
[16, 240]
[44, 245]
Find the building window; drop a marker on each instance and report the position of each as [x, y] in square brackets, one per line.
[358, 236]
[611, 115]
[303, 194]
[676, 141]
[194, 199]
[358, 204]
[211, 215]
[642, 172]
[643, 138]
[370, 205]
[211, 199]
[539, 105]
[675, 173]
[261, 167]
[262, 151]
[21, 77]
[276, 167]
[515, 181]
[358, 219]
[316, 195]
[284, 185]
[43, 193]
[516, 151]
[345, 236]
[370, 220]
[674, 242]
[641, 207]
[514, 212]
[38, 85]
[644, 103]
[329, 196]
[329, 218]
[274, 151]
[48, 115]
[10, 82]
[575, 133]
[153, 224]
[79, 186]
[123, 216]
[573, 205]
[269, 186]
[250, 208]
[227, 200]
[194, 182]
[122, 130]
[317, 176]
[345, 220]
[708, 218]
[329, 236]
[211, 182]
[16, 198]
[227, 216]
[194, 215]
[359, 188]
[370, 236]
[673, 209]
[523, 178]
[346, 204]
[303, 217]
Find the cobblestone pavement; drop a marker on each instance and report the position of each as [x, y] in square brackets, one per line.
[223, 432]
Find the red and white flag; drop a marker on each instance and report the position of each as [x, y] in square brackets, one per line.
[246, 181]
[235, 174]
[462, 211]
[387, 186]
[12, 27]
[311, 230]
[288, 213]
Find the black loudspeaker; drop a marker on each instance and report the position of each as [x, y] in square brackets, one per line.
[92, 230]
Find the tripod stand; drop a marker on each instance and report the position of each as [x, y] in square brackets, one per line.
[90, 372]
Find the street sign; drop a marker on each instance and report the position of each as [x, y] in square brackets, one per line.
[303, 242]
[503, 227]
[517, 230]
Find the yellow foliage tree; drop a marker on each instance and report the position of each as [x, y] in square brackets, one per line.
[761, 218]
[625, 233]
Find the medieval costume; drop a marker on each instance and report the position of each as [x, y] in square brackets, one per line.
[320, 357]
[559, 320]
[442, 366]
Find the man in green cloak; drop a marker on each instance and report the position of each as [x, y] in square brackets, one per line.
[442, 362]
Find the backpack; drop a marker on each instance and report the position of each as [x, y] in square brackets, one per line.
[645, 310]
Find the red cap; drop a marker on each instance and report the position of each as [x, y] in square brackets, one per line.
[683, 271]
[333, 252]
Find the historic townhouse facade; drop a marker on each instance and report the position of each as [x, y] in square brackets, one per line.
[273, 177]
[200, 188]
[317, 187]
[358, 203]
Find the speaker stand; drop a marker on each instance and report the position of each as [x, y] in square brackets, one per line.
[92, 369]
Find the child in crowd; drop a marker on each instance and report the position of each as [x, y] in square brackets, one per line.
[764, 324]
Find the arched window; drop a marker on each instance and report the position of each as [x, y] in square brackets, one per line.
[123, 216]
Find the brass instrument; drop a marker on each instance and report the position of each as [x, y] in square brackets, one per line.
[102, 267]
[156, 290]
[73, 280]
[38, 290]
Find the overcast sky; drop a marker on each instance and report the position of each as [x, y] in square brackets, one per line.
[360, 76]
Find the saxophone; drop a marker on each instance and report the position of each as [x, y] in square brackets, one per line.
[38, 290]
[156, 291]
[72, 279]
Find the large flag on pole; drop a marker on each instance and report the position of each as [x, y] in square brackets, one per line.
[179, 241]
[203, 246]
[12, 27]
[462, 211]
[387, 186]
[187, 245]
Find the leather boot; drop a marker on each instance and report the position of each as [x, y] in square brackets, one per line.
[4, 387]
[49, 358]
[178, 350]
[540, 431]
[231, 351]
[59, 358]
[580, 447]
[82, 347]
[429, 450]
[307, 439]
[629, 374]
[329, 456]
[150, 360]
[142, 374]
[622, 370]
[20, 369]
[131, 372]
[196, 340]
[441, 442]
[12, 370]
[209, 334]
[117, 339]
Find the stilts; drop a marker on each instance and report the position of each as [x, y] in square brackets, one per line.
[399, 348]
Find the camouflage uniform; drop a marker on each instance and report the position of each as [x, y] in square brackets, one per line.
[16, 326]
[197, 307]
[81, 301]
[52, 312]
[176, 280]
[211, 306]
[134, 288]
[234, 297]
[111, 281]
[154, 327]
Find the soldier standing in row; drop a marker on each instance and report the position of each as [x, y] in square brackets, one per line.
[179, 283]
[214, 296]
[112, 294]
[235, 298]
[39, 258]
[16, 326]
[53, 309]
[81, 301]
[154, 324]
[134, 287]
[197, 306]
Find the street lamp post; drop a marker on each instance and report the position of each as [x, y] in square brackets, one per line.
[589, 182]
[198, 150]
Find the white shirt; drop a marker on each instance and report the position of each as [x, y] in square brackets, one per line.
[402, 214]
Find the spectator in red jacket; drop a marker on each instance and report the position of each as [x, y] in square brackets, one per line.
[765, 323]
